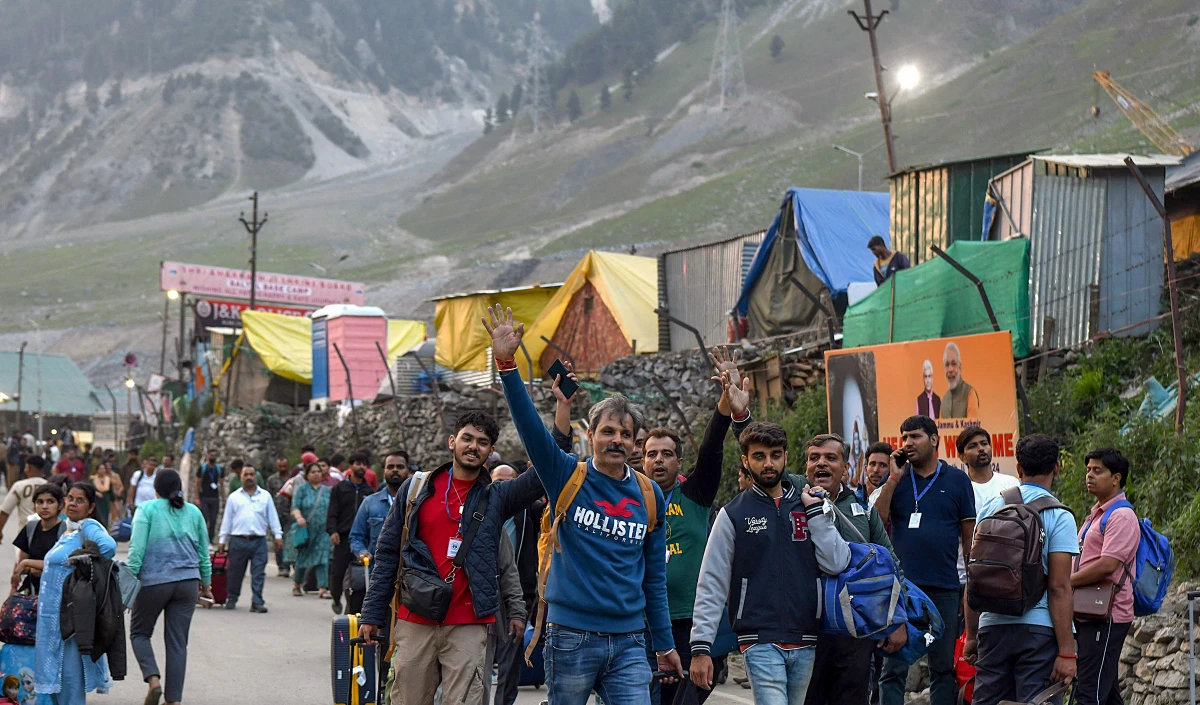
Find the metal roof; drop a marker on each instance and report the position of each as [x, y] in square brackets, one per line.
[1185, 174]
[1109, 161]
[489, 292]
[719, 241]
[64, 388]
[954, 162]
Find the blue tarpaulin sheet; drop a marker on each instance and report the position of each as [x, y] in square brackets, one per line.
[832, 230]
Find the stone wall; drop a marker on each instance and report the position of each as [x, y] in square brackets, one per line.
[1155, 661]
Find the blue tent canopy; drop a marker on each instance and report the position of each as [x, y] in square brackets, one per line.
[832, 230]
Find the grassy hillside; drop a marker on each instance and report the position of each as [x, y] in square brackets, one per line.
[663, 167]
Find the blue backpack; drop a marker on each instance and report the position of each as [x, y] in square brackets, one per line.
[865, 599]
[924, 624]
[1153, 565]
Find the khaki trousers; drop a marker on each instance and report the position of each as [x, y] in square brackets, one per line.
[450, 655]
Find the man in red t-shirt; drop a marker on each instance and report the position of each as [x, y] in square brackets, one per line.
[447, 503]
[70, 465]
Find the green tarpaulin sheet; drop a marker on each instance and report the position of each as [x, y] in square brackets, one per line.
[934, 300]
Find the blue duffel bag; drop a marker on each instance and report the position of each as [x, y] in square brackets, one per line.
[863, 601]
[924, 624]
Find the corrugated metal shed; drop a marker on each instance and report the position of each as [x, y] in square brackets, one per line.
[699, 284]
[65, 391]
[1096, 262]
[937, 204]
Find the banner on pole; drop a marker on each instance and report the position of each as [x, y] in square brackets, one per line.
[223, 282]
[214, 313]
[959, 382]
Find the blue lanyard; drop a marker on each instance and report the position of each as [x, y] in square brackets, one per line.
[449, 482]
[917, 497]
[672, 493]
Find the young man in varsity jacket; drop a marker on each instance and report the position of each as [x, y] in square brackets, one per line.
[770, 536]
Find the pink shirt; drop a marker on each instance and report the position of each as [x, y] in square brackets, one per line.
[1120, 541]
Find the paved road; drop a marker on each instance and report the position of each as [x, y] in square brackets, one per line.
[283, 656]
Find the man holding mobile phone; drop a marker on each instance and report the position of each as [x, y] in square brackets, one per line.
[931, 506]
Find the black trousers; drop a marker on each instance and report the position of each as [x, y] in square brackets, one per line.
[210, 507]
[842, 671]
[510, 657]
[1014, 662]
[339, 565]
[1099, 648]
[681, 630]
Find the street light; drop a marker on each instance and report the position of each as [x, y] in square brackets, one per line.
[908, 77]
[130, 383]
[852, 153]
[172, 294]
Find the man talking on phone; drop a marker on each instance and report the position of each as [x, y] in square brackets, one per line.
[931, 506]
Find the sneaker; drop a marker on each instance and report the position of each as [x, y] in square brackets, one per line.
[283, 573]
[260, 609]
[337, 606]
[231, 605]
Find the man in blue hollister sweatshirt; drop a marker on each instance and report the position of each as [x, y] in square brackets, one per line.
[610, 578]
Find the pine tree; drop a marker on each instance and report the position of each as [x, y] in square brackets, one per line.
[515, 102]
[605, 97]
[627, 84]
[502, 109]
[776, 46]
[488, 122]
[574, 108]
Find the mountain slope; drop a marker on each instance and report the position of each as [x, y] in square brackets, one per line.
[115, 109]
[998, 77]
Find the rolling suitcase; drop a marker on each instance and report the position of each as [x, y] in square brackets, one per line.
[219, 592]
[355, 665]
[534, 675]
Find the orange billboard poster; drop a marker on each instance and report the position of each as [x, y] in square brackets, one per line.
[959, 382]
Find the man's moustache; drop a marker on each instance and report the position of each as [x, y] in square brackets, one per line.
[615, 448]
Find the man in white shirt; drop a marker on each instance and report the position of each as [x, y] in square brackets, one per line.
[20, 496]
[975, 448]
[249, 516]
[141, 485]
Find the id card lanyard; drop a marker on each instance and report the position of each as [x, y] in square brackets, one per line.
[456, 541]
[914, 519]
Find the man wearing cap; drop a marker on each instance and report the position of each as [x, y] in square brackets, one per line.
[344, 501]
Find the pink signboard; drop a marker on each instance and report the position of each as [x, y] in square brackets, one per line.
[279, 288]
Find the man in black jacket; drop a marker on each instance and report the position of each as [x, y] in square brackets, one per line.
[442, 509]
[344, 501]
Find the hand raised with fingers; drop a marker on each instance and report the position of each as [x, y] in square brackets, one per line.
[506, 334]
[724, 359]
[737, 391]
[555, 388]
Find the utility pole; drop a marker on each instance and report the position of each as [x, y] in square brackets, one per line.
[868, 24]
[1172, 286]
[727, 76]
[182, 315]
[20, 375]
[539, 89]
[253, 227]
[162, 355]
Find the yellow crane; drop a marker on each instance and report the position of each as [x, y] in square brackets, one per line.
[1149, 123]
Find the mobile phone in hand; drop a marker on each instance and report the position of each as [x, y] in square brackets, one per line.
[567, 385]
[205, 602]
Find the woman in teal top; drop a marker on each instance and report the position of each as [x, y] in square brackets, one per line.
[308, 545]
[169, 553]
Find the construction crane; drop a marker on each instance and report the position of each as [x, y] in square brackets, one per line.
[1149, 123]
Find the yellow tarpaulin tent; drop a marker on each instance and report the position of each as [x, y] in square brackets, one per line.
[462, 341]
[1185, 236]
[285, 342]
[628, 286]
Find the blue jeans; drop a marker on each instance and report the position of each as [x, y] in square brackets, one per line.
[779, 676]
[243, 550]
[614, 665]
[942, 687]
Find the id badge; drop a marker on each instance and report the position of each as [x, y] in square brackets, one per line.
[668, 555]
[857, 510]
[452, 547]
[914, 520]
[212, 485]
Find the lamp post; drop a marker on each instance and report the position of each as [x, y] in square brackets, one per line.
[852, 153]
[41, 348]
[162, 356]
[907, 78]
